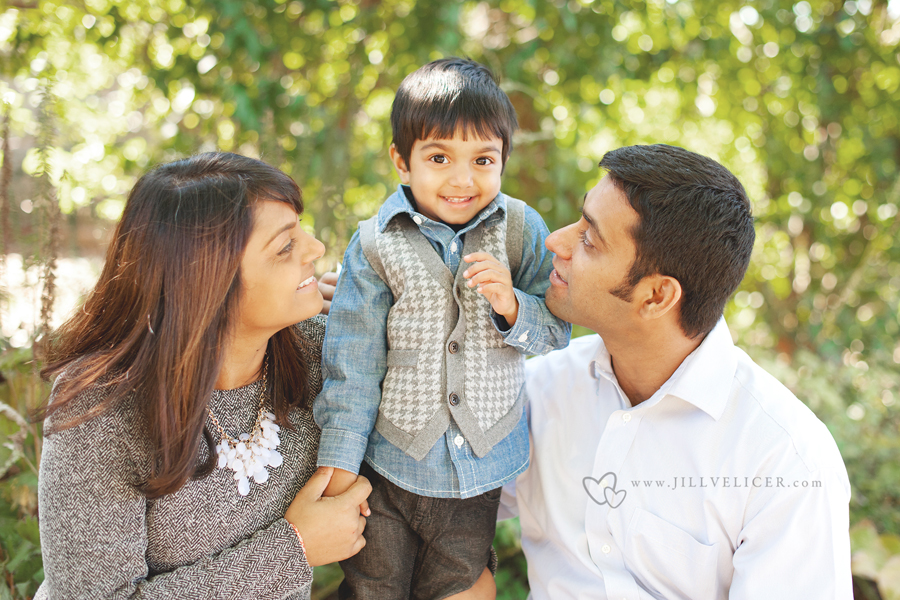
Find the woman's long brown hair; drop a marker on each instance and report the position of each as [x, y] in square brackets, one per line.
[158, 320]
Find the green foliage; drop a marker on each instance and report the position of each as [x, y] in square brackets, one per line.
[326, 580]
[876, 558]
[21, 569]
[512, 573]
[799, 99]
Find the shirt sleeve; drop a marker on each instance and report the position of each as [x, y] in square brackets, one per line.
[94, 532]
[789, 526]
[537, 330]
[509, 508]
[509, 500]
[354, 362]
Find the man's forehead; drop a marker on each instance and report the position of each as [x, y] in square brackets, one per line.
[589, 204]
[606, 208]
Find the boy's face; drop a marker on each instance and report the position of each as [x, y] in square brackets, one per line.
[452, 179]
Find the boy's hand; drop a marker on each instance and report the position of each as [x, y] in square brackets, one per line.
[341, 481]
[494, 282]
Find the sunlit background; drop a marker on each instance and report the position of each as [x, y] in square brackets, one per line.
[800, 100]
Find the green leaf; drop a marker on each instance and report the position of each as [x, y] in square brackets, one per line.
[29, 530]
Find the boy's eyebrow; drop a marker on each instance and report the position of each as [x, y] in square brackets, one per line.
[489, 148]
[440, 146]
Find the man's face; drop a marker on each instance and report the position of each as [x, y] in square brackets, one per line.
[593, 257]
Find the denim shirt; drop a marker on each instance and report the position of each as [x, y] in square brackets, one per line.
[354, 361]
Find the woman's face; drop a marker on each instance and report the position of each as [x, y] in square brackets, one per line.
[277, 270]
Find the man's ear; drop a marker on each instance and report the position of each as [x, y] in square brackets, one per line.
[400, 165]
[660, 294]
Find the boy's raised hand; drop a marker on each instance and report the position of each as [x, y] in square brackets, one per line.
[494, 282]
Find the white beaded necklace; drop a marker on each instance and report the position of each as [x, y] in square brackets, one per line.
[250, 454]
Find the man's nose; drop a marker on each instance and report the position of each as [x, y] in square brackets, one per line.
[560, 241]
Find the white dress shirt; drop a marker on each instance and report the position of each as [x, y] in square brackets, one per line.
[721, 485]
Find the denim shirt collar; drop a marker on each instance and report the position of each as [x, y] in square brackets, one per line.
[398, 203]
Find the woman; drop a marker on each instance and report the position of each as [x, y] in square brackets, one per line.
[163, 472]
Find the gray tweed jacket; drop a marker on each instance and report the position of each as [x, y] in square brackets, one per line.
[101, 538]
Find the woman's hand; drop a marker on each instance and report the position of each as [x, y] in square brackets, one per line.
[327, 283]
[331, 528]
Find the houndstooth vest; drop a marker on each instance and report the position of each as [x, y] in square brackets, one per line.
[445, 357]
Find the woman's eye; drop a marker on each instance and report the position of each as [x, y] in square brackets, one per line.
[439, 159]
[484, 161]
[287, 248]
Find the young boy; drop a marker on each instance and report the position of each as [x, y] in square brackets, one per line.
[423, 357]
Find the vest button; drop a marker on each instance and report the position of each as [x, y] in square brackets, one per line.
[453, 347]
[454, 399]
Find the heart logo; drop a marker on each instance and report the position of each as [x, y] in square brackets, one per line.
[605, 489]
[612, 497]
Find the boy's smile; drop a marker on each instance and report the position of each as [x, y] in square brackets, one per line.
[452, 179]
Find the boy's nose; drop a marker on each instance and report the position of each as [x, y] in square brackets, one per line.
[461, 176]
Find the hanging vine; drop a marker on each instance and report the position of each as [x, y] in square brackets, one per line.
[5, 179]
[50, 214]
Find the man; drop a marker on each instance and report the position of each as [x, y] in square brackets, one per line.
[664, 462]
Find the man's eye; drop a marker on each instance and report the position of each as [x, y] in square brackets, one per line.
[484, 161]
[584, 239]
[439, 158]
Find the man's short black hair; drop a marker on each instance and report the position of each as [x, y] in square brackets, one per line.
[695, 225]
[447, 96]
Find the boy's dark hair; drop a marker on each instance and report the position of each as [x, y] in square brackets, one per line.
[450, 95]
[695, 225]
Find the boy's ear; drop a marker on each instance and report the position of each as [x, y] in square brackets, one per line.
[400, 165]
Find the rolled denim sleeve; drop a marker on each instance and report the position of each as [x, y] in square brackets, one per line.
[536, 330]
[354, 362]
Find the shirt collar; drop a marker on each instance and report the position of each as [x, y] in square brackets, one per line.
[703, 379]
[601, 365]
[399, 203]
[708, 373]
